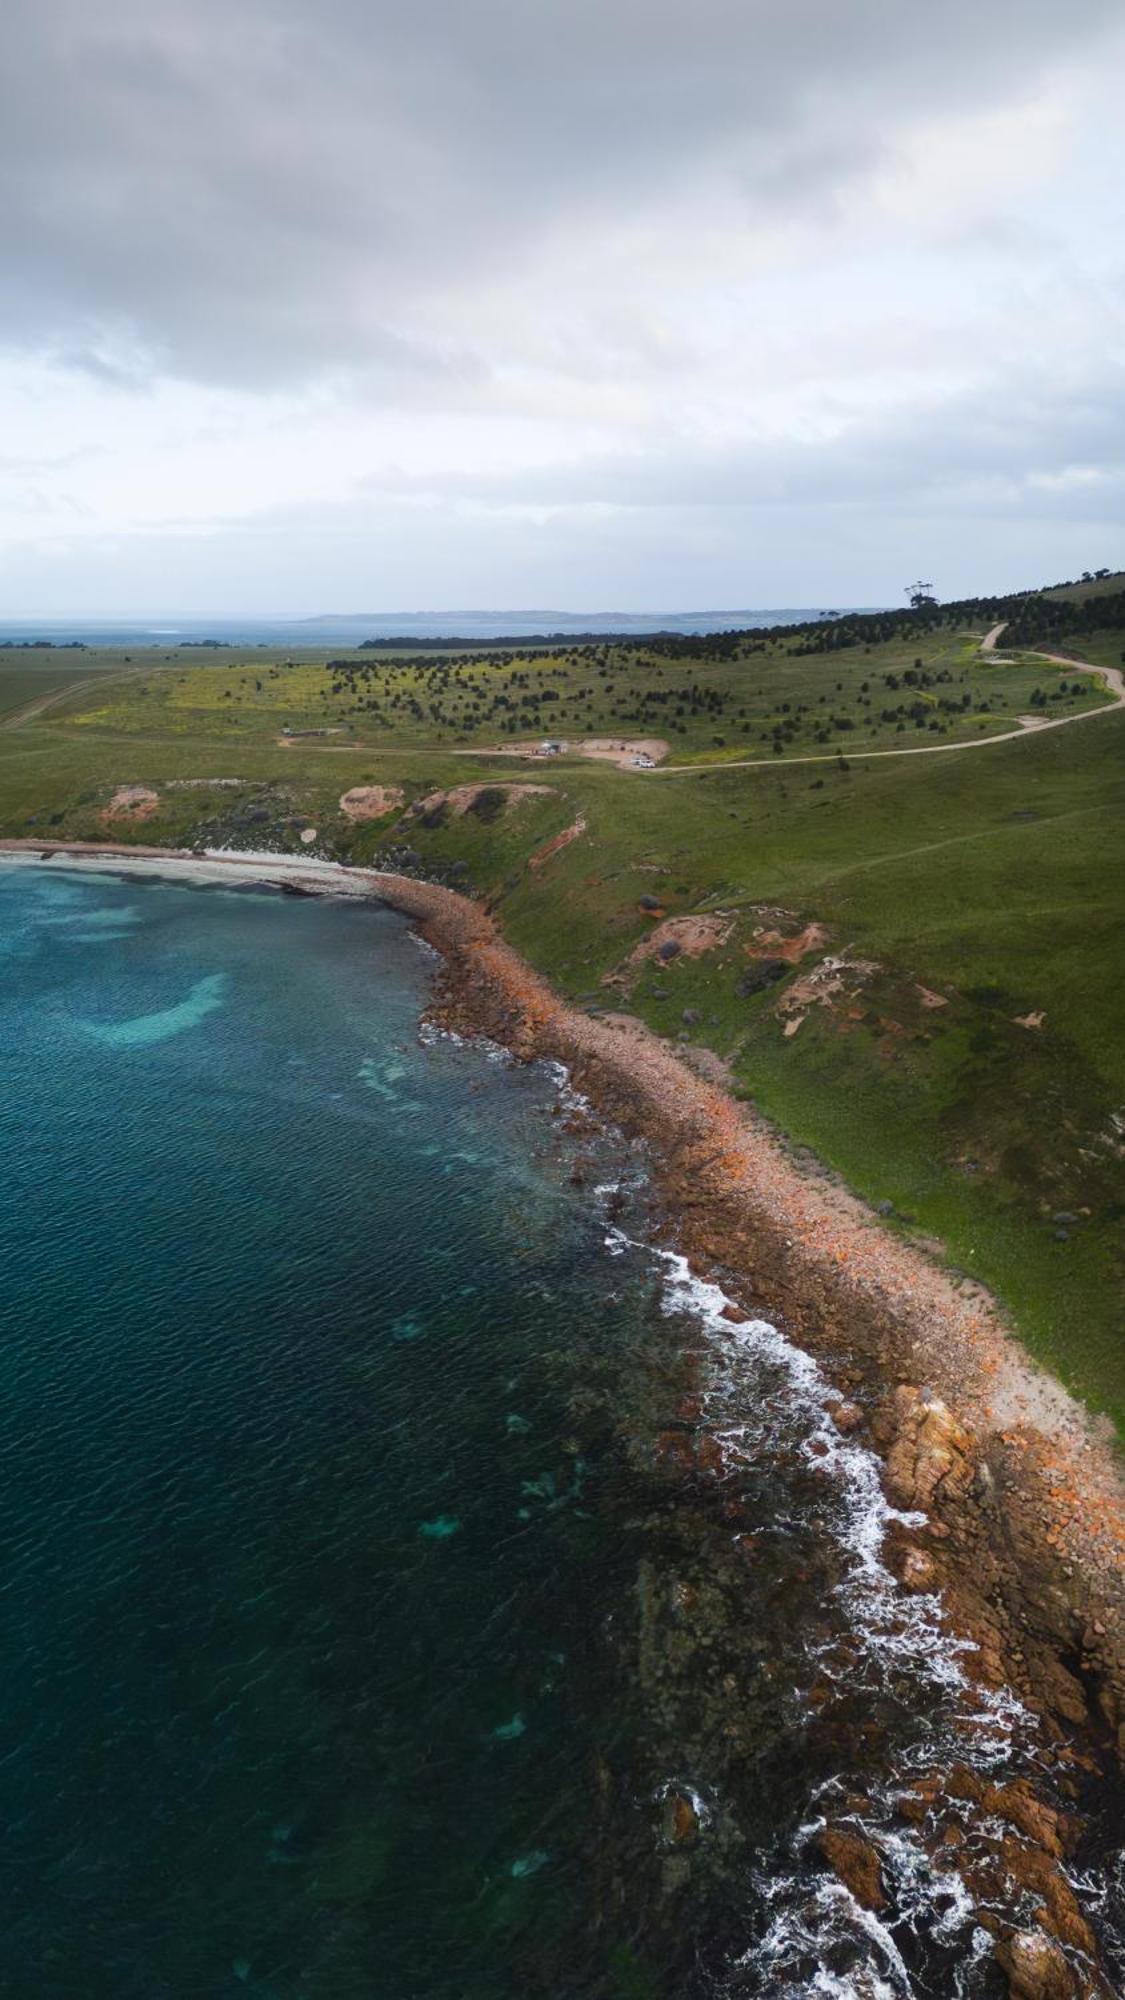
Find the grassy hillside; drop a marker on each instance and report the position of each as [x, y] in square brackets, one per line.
[914, 965]
[742, 698]
[1081, 590]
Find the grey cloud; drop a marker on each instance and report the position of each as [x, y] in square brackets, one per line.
[288, 187]
[356, 554]
[1037, 446]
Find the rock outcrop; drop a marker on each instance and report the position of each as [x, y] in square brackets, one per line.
[1036, 1968]
[856, 1862]
[931, 1454]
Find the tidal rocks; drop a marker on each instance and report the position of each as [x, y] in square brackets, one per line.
[917, 1571]
[679, 1820]
[1035, 1968]
[931, 1453]
[1065, 1694]
[686, 1452]
[857, 1864]
[1039, 1823]
[1013, 1848]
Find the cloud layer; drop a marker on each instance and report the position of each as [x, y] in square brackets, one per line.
[281, 264]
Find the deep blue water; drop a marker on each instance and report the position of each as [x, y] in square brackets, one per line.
[285, 1438]
[388, 1538]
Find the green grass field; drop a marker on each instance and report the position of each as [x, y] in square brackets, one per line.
[966, 1063]
[24, 681]
[771, 698]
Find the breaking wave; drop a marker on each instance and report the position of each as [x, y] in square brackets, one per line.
[765, 1400]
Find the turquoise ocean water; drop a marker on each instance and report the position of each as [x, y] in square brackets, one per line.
[374, 1621]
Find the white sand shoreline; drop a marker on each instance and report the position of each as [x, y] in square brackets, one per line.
[222, 866]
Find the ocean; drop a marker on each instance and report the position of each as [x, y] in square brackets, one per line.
[350, 629]
[414, 1587]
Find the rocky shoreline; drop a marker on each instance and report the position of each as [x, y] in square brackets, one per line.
[1024, 1501]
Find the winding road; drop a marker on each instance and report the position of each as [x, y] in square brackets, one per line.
[1110, 675]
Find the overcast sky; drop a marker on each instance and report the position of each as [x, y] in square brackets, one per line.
[315, 305]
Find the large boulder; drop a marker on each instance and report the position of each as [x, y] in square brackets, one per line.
[857, 1864]
[930, 1457]
[1035, 1968]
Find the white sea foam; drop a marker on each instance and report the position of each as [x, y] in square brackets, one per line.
[493, 1052]
[429, 951]
[430, 1034]
[899, 1629]
[559, 1075]
[893, 1637]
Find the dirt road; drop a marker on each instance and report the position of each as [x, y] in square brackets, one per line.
[30, 709]
[1110, 675]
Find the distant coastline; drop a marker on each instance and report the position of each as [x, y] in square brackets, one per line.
[351, 628]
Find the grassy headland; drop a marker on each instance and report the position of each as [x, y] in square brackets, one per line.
[912, 964]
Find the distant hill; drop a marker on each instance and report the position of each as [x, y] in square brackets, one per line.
[474, 626]
[1054, 613]
[1102, 584]
[1061, 612]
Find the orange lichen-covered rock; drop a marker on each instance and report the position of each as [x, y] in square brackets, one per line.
[917, 1572]
[1035, 1968]
[931, 1454]
[856, 1862]
[680, 1820]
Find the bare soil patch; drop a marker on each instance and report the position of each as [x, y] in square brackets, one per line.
[130, 803]
[555, 846]
[462, 798]
[833, 979]
[792, 948]
[371, 801]
[620, 750]
[675, 937]
[203, 784]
